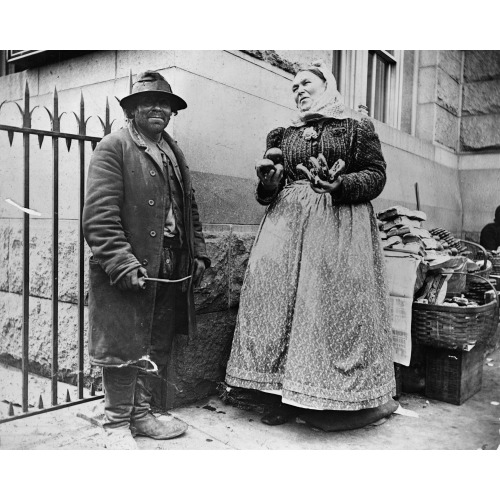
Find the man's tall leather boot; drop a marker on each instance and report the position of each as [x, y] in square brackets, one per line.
[144, 423]
[119, 386]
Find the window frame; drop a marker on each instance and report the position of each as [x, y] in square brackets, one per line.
[353, 81]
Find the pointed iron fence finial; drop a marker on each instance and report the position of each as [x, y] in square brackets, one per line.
[106, 124]
[10, 133]
[11, 409]
[41, 137]
[68, 143]
[56, 119]
[107, 112]
[26, 113]
[82, 122]
[68, 398]
[94, 144]
[40, 402]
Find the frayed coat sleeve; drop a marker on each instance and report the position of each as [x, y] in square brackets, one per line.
[368, 176]
[264, 196]
[101, 221]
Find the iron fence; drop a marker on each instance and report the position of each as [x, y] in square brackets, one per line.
[56, 135]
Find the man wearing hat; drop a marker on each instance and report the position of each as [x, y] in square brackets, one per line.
[141, 222]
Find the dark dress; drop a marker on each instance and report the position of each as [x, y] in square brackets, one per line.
[314, 318]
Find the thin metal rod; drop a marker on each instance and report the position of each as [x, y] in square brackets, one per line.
[417, 195]
[167, 281]
[26, 252]
[81, 252]
[34, 131]
[51, 408]
[55, 253]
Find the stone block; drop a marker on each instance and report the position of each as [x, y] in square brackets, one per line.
[428, 58]
[226, 199]
[426, 114]
[450, 61]
[11, 171]
[5, 232]
[40, 335]
[481, 98]
[427, 81]
[197, 364]
[11, 324]
[68, 263]
[213, 294]
[15, 271]
[41, 260]
[448, 92]
[241, 245]
[407, 92]
[446, 132]
[223, 131]
[80, 71]
[481, 65]
[13, 86]
[142, 60]
[480, 132]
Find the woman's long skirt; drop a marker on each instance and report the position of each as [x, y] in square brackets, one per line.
[314, 320]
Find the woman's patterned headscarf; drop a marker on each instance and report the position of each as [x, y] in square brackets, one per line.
[330, 103]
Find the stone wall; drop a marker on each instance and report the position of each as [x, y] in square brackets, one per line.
[439, 84]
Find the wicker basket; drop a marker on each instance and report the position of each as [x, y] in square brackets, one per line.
[477, 252]
[459, 328]
[495, 260]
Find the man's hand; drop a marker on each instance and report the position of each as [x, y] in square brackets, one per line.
[199, 271]
[133, 280]
[269, 174]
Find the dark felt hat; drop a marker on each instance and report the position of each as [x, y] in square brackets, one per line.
[151, 82]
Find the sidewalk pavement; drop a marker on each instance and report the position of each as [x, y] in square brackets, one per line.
[213, 425]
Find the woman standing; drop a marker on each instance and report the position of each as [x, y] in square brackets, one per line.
[313, 324]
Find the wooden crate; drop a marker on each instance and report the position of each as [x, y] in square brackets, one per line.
[453, 376]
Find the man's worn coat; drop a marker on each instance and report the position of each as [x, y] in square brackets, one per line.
[123, 222]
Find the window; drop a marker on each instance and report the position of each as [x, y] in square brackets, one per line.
[371, 80]
[381, 66]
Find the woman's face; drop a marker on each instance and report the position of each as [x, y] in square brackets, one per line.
[307, 87]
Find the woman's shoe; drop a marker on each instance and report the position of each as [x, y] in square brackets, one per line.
[279, 416]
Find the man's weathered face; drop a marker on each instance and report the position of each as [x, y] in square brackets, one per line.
[152, 114]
